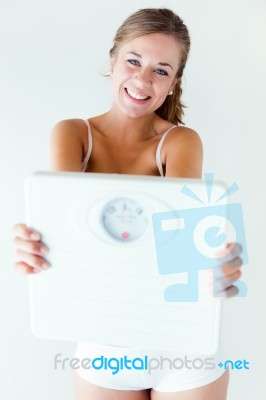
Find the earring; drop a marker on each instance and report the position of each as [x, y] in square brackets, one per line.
[170, 93]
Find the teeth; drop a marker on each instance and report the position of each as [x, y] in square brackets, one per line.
[136, 96]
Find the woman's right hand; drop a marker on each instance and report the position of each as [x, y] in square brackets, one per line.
[30, 250]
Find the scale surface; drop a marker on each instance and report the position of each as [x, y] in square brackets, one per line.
[108, 236]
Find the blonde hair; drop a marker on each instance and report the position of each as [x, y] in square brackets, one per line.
[159, 20]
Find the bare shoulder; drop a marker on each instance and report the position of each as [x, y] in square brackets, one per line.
[184, 134]
[68, 128]
[66, 145]
[183, 139]
[184, 153]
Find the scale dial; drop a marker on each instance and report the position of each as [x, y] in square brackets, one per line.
[124, 219]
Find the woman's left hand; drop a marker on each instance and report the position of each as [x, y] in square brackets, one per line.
[226, 272]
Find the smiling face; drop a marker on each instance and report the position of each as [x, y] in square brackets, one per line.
[144, 72]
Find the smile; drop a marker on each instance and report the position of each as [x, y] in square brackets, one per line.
[136, 96]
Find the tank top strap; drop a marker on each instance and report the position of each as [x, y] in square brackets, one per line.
[158, 150]
[86, 159]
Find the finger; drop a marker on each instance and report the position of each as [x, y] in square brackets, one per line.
[223, 284]
[232, 251]
[234, 276]
[228, 293]
[219, 285]
[29, 246]
[26, 233]
[32, 260]
[229, 270]
[223, 281]
[25, 269]
[222, 270]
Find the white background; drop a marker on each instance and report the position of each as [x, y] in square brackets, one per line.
[52, 54]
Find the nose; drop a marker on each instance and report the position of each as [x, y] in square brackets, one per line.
[143, 77]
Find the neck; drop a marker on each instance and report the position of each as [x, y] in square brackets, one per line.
[127, 129]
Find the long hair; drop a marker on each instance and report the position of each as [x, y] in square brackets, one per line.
[159, 20]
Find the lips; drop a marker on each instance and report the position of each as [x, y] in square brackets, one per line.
[137, 96]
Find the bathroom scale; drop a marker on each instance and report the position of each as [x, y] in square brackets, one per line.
[130, 256]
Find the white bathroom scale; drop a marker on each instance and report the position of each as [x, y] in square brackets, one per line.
[129, 256]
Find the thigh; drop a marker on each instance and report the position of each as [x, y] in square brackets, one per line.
[216, 390]
[85, 390]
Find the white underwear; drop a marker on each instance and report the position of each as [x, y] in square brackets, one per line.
[130, 368]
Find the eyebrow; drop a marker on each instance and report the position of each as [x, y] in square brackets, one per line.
[163, 64]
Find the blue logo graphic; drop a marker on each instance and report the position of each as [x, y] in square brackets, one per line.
[186, 240]
[238, 364]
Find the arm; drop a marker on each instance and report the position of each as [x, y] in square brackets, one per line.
[66, 149]
[184, 155]
[184, 160]
[65, 155]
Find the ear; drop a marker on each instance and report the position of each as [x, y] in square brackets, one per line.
[112, 62]
[174, 83]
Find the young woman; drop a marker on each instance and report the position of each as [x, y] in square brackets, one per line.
[141, 134]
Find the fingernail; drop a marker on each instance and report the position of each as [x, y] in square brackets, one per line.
[35, 236]
[46, 265]
[44, 249]
[35, 270]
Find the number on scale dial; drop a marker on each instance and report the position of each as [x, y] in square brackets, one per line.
[124, 219]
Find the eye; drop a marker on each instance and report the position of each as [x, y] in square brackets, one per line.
[161, 72]
[134, 62]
